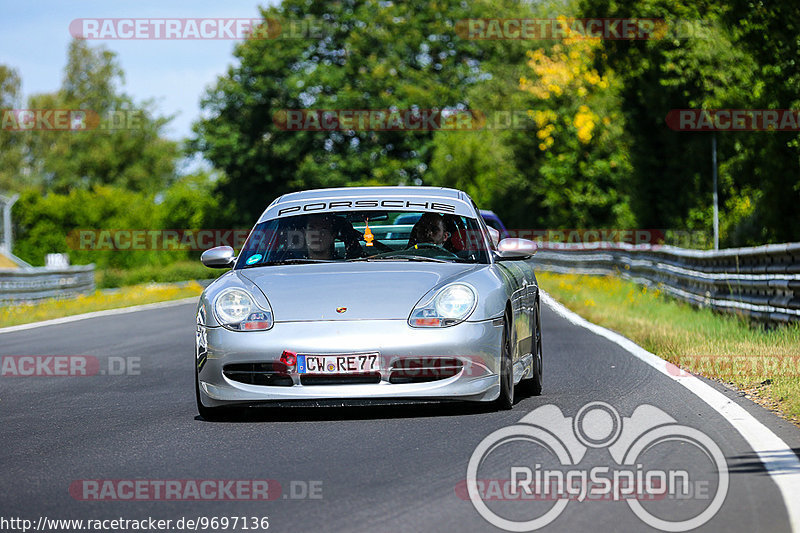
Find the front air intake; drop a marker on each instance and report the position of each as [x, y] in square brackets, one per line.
[423, 369]
[274, 374]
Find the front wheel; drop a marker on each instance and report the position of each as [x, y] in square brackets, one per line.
[211, 414]
[506, 399]
[533, 385]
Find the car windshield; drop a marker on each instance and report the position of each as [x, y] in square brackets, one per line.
[365, 236]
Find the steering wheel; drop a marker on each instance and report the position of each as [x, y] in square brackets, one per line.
[382, 247]
[431, 246]
[351, 237]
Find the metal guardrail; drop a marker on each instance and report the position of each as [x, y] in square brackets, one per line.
[25, 285]
[762, 282]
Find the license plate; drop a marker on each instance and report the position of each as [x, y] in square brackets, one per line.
[338, 364]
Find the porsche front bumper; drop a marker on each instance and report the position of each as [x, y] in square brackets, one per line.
[476, 345]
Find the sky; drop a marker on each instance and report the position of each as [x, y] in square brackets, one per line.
[34, 36]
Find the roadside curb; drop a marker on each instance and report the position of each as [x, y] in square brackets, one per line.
[97, 314]
[779, 459]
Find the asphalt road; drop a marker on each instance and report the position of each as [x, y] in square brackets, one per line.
[371, 469]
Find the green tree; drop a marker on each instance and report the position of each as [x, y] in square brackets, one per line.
[115, 176]
[126, 149]
[12, 178]
[766, 165]
[369, 55]
[736, 54]
[189, 202]
[54, 222]
[564, 164]
[481, 163]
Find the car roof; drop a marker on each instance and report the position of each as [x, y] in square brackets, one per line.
[353, 192]
[296, 203]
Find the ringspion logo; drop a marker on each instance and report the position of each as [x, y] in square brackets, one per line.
[540, 467]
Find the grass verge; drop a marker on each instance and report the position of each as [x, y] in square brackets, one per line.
[98, 301]
[178, 271]
[764, 363]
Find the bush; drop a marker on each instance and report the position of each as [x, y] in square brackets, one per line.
[180, 271]
[51, 223]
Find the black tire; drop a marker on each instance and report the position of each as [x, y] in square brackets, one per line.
[211, 414]
[533, 385]
[506, 399]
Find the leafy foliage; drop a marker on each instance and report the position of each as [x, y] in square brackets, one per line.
[592, 148]
[742, 55]
[48, 224]
[371, 55]
[129, 153]
[105, 178]
[12, 151]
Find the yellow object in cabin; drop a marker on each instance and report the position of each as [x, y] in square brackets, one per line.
[368, 236]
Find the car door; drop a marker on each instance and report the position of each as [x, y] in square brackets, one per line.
[517, 276]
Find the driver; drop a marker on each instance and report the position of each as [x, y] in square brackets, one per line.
[430, 228]
[319, 237]
[321, 232]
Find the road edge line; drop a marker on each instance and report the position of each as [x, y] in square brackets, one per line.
[784, 471]
[97, 314]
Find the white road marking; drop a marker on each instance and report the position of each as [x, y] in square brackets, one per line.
[96, 314]
[778, 458]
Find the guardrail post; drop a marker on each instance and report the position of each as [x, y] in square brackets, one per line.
[716, 196]
[8, 203]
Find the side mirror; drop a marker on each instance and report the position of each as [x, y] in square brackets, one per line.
[219, 257]
[514, 248]
[494, 235]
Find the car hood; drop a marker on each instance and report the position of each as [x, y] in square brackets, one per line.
[367, 290]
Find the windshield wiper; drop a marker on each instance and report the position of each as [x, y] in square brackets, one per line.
[402, 258]
[295, 261]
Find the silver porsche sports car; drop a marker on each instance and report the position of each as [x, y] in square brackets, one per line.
[336, 298]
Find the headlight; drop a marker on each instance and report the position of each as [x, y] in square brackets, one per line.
[451, 305]
[236, 310]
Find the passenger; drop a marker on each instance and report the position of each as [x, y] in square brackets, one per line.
[430, 229]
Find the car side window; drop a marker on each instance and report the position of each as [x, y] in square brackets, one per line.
[484, 228]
